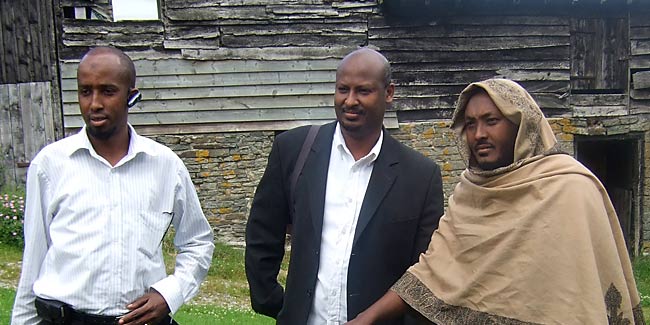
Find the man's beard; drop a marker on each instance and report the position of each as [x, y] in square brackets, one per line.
[99, 134]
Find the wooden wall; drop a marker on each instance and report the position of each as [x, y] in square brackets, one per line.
[30, 110]
[640, 63]
[433, 62]
[27, 51]
[599, 53]
[211, 66]
[194, 96]
[27, 123]
[238, 65]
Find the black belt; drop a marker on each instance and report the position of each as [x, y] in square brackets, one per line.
[60, 313]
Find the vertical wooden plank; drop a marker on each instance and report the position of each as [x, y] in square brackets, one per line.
[594, 50]
[37, 118]
[3, 59]
[48, 41]
[28, 119]
[17, 142]
[9, 30]
[599, 53]
[616, 62]
[17, 135]
[54, 25]
[22, 40]
[578, 53]
[7, 160]
[22, 146]
[608, 42]
[35, 24]
[55, 14]
[596, 55]
[48, 115]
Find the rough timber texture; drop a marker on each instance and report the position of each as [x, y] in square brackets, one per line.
[27, 117]
[29, 89]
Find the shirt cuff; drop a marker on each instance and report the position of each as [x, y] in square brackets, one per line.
[171, 291]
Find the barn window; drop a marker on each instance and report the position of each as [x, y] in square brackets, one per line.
[599, 51]
[135, 10]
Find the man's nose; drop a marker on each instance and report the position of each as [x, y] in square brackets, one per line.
[481, 132]
[351, 99]
[95, 101]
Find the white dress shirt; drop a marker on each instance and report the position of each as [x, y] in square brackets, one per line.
[93, 231]
[347, 181]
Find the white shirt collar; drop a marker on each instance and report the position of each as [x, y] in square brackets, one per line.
[136, 144]
[339, 142]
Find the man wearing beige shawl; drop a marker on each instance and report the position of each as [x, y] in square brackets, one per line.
[529, 236]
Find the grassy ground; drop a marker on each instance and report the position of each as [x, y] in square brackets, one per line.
[642, 274]
[223, 298]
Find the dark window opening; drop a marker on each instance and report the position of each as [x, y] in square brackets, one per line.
[616, 163]
[69, 12]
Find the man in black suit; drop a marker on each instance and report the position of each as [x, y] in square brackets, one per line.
[364, 207]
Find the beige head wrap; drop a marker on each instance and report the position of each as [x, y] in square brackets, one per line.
[535, 136]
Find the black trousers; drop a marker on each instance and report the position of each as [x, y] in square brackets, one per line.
[166, 321]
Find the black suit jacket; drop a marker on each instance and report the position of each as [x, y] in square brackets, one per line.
[401, 209]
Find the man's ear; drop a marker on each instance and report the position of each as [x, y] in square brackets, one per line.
[390, 92]
[134, 97]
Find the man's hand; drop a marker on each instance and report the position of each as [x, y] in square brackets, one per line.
[148, 309]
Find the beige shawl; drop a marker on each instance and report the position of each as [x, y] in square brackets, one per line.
[536, 242]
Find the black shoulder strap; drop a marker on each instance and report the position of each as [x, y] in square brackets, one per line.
[300, 163]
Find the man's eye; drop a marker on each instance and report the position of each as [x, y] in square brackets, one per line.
[492, 121]
[84, 92]
[342, 90]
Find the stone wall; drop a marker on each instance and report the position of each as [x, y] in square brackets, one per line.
[226, 167]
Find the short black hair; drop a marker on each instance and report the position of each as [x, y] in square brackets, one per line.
[125, 61]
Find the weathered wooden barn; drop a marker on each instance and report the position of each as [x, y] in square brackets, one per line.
[221, 78]
[30, 106]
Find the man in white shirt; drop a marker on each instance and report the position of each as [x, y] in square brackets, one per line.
[97, 208]
[363, 207]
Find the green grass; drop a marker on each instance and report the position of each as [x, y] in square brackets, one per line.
[641, 266]
[6, 303]
[209, 315]
[9, 265]
[188, 314]
[223, 298]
